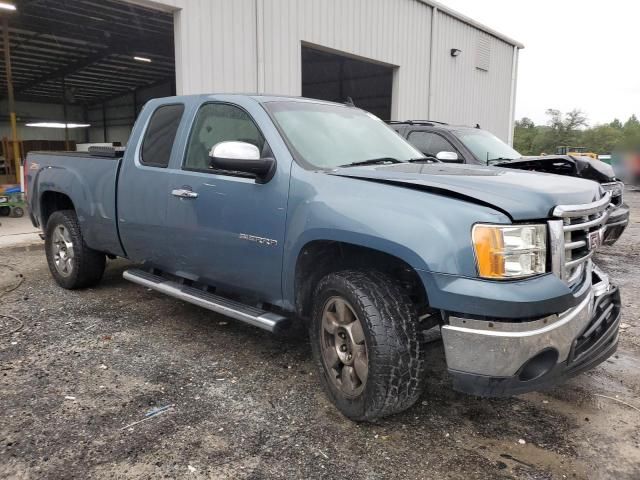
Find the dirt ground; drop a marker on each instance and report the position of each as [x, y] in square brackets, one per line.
[86, 364]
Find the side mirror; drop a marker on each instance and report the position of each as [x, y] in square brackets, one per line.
[241, 157]
[447, 156]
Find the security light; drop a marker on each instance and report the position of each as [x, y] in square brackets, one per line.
[7, 6]
[142, 59]
[57, 125]
[455, 52]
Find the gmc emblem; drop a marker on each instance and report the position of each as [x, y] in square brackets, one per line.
[594, 240]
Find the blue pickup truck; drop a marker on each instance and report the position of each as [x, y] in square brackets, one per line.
[274, 210]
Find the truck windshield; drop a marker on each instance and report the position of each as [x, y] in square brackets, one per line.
[485, 146]
[329, 136]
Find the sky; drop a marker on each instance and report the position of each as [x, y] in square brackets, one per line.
[578, 54]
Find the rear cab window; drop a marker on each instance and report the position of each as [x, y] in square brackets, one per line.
[160, 135]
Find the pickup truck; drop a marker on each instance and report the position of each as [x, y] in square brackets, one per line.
[275, 210]
[460, 144]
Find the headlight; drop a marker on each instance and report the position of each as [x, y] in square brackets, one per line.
[510, 251]
[616, 189]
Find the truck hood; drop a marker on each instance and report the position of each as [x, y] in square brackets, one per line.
[520, 195]
[575, 166]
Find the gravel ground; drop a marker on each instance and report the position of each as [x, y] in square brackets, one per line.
[247, 404]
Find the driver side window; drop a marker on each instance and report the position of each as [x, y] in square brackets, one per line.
[430, 143]
[215, 123]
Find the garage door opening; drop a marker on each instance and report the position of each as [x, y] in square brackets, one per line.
[84, 64]
[328, 76]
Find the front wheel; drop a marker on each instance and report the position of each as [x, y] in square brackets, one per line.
[367, 345]
[72, 264]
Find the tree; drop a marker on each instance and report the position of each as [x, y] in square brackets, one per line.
[574, 120]
[602, 138]
[525, 122]
[572, 129]
[632, 122]
[525, 132]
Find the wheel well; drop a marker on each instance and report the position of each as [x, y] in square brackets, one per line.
[52, 202]
[321, 257]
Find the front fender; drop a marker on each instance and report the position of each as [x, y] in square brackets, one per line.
[429, 232]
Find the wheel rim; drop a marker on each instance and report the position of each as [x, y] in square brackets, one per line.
[344, 351]
[62, 249]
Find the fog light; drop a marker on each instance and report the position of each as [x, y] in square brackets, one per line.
[539, 365]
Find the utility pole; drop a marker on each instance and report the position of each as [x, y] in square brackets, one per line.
[64, 115]
[10, 97]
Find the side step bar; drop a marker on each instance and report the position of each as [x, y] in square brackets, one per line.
[269, 321]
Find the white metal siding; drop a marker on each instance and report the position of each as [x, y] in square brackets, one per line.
[215, 42]
[255, 46]
[463, 93]
[391, 32]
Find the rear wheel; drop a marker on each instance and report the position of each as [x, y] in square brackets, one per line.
[17, 212]
[367, 344]
[72, 264]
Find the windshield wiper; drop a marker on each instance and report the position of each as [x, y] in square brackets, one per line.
[426, 158]
[372, 161]
[500, 159]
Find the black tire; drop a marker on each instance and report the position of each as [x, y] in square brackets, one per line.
[5, 211]
[396, 354]
[87, 265]
[17, 212]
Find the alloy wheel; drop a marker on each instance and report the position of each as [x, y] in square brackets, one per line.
[343, 347]
[62, 249]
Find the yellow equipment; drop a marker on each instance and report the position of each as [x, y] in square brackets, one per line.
[576, 151]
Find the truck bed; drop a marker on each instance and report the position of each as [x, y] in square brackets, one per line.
[88, 181]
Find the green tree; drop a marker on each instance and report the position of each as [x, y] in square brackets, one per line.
[572, 129]
[525, 132]
[602, 138]
[632, 122]
[525, 122]
[617, 124]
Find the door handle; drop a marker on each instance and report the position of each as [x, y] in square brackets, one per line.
[183, 193]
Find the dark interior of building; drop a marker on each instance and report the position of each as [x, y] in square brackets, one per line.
[90, 61]
[328, 76]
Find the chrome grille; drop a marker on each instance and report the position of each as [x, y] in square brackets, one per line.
[570, 236]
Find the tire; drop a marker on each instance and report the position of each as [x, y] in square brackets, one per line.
[85, 266]
[390, 338]
[5, 211]
[17, 212]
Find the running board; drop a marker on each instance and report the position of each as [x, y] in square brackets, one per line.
[269, 321]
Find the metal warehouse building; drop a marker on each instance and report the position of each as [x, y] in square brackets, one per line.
[96, 63]
[401, 59]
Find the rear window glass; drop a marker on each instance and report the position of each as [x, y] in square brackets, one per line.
[160, 135]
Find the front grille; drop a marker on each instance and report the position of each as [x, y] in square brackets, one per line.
[575, 235]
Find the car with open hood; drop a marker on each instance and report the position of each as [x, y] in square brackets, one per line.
[472, 145]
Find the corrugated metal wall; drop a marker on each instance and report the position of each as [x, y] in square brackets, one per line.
[464, 93]
[255, 46]
[393, 32]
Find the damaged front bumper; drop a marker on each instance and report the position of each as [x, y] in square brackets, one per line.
[500, 358]
[616, 224]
